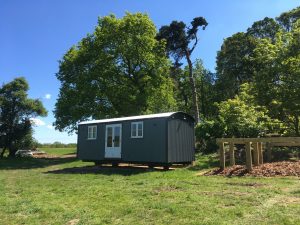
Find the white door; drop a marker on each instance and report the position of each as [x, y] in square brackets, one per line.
[113, 138]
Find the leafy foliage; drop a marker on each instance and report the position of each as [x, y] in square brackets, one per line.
[287, 19]
[237, 117]
[234, 65]
[119, 70]
[279, 69]
[16, 109]
[206, 133]
[266, 28]
[242, 117]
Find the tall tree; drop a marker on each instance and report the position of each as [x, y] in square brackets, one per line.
[181, 42]
[234, 65]
[16, 110]
[119, 70]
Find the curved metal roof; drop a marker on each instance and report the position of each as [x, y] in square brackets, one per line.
[159, 115]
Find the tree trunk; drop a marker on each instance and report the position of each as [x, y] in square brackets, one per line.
[12, 151]
[2, 153]
[193, 86]
[203, 108]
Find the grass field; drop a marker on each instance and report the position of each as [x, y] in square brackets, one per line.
[58, 151]
[47, 191]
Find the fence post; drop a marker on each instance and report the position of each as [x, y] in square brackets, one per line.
[248, 157]
[261, 155]
[269, 151]
[255, 153]
[231, 153]
[222, 155]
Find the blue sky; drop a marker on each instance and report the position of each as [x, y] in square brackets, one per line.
[34, 35]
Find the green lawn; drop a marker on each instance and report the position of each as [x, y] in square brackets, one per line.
[49, 191]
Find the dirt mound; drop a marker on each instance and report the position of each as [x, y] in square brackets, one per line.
[285, 168]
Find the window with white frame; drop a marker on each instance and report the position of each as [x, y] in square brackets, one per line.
[137, 129]
[92, 132]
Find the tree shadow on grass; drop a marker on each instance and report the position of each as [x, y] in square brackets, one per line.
[105, 170]
[32, 163]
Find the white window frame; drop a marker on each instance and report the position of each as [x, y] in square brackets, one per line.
[90, 133]
[136, 124]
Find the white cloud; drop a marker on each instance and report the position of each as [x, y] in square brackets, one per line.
[47, 96]
[50, 127]
[37, 122]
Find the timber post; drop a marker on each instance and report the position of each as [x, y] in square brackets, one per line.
[255, 153]
[248, 156]
[222, 155]
[260, 145]
[261, 155]
[231, 153]
[269, 151]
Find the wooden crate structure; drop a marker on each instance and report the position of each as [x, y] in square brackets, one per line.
[254, 148]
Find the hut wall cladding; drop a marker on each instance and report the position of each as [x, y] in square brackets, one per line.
[180, 141]
[90, 149]
[147, 149]
[167, 138]
[150, 148]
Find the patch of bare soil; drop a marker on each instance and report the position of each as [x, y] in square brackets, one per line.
[284, 168]
[73, 222]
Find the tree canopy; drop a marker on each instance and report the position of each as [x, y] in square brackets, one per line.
[234, 65]
[287, 19]
[119, 70]
[16, 110]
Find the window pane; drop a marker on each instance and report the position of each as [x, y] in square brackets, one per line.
[133, 129]
[94, 132]
[140, 129]
[109, 137]
[140, 126]
[140, 133]
[90, 132]
[117, 137]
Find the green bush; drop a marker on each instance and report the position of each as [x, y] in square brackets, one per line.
[206, 133]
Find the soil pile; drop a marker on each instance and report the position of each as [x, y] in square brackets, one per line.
[284, 168]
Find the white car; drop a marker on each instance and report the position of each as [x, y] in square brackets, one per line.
[24, 153]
